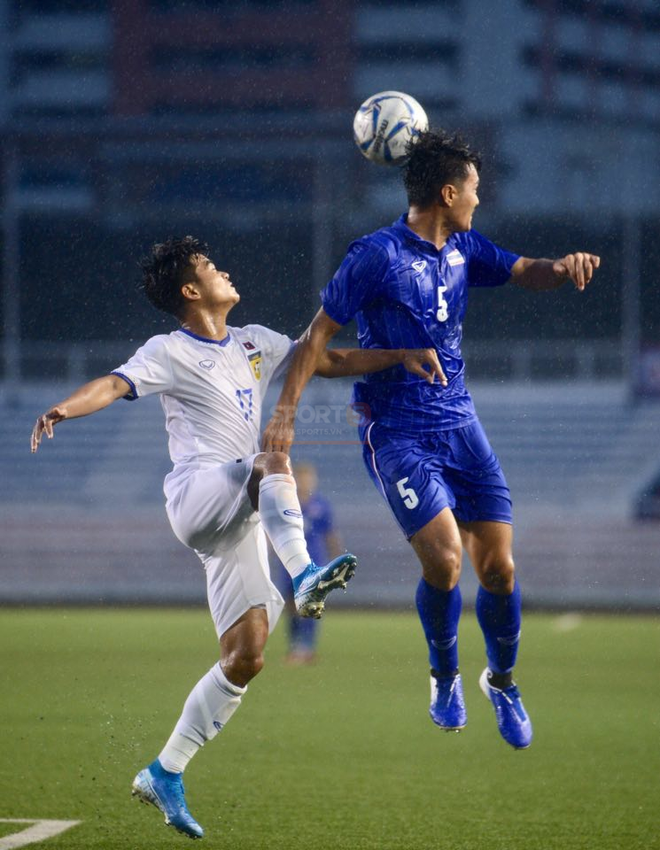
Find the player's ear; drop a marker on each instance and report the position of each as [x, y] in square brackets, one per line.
[190, 292]
[448, 194]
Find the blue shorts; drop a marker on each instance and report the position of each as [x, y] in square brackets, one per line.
[421, 474]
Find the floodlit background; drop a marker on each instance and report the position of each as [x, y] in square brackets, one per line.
[124, 122]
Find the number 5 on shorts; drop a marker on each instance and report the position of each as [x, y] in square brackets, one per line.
[408, 495]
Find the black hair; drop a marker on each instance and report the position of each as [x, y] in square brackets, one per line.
[167, 268]
[434, 159]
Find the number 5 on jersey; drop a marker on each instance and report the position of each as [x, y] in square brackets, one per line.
[442, 313]
[410, 499]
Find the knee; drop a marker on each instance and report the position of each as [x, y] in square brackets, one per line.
[274, 463]
[242, 665]
[444, 569]
[497, 575]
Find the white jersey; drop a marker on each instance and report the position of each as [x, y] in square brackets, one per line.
[211, 392]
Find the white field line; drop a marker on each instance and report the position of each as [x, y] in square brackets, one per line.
[39, 831]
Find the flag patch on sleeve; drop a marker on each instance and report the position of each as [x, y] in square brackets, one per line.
[455, 258]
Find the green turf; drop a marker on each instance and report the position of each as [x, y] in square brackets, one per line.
[341, 755]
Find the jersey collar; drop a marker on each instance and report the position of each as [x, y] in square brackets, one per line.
[205, 339]
[401, 224]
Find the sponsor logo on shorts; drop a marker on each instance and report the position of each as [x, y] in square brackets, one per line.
[218, 725]
[207, 364]
[292, 512]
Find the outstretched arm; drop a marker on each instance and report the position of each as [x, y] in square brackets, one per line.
[85, 400]
[344, 362]
[541, 274]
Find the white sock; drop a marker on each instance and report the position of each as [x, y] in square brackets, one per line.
[208, 708]
[279, 510]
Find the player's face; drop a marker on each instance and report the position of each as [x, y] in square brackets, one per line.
[465, 202]
[215, 286]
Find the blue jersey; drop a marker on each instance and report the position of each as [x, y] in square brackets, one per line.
[405, 293]
[317, 516]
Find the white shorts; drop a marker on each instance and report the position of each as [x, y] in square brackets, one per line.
[210, 511]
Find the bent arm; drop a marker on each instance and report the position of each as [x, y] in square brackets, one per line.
[312, 357]
[541, 274]
[87, 399]
[278, 434]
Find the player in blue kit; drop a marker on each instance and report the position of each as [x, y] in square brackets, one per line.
[323, 543]
[424, 448]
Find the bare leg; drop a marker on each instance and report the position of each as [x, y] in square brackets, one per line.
[242, 646]
[438, 547]
[489, 546]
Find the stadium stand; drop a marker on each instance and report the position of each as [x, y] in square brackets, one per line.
[83, 520]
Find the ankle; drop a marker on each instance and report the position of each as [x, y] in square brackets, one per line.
[438, 675]
[501, 681]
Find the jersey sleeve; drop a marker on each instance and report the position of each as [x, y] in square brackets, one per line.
[356, 281]
[149, 370]
[277, 350]
[488, 264]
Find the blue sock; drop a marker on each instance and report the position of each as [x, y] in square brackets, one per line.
[440, 611]
[303, 633]
[499, 618]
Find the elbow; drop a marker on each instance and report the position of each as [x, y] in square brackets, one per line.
[330, 364]
[326, 369]
[118, 388]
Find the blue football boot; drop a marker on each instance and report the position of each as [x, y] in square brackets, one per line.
[312, 586]
[512, 719]
[164, 790]
[447, 707]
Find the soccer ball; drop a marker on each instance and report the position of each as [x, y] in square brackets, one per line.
[384, 125]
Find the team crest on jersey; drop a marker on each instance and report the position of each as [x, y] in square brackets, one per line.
[207, 364]
[455, 258]
[254, 360]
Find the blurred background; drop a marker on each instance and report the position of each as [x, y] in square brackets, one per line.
[124, 122]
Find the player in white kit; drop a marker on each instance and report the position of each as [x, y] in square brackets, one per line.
[222, 493]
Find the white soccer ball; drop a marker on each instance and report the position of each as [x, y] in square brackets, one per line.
[384, 125]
